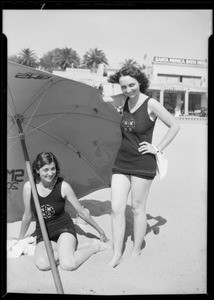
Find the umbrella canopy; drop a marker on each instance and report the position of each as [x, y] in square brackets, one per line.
[63, 116]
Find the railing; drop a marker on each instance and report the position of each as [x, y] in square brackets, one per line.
[191, 119]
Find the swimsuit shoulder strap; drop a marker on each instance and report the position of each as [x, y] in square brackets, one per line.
[125, 107]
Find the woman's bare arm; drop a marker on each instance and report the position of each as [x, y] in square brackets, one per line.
[69, 194]
[27, 216]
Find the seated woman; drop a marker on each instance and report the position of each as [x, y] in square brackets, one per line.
[52, 192]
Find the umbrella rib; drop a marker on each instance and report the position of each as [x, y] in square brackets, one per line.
[72, 113]
[13, 143]
[42, 97]
[12, 115]
[12, 137]
[36, 95]
[12, 100]
[35, 128]
[49, 83]
[72, 148]
[61, 114]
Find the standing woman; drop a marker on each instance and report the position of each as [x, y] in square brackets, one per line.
[135, 164]
[52, 192]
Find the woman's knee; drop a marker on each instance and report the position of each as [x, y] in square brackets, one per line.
[139, 206]
[41, 257]
[117, 210]
[42, 263]
[68, 263]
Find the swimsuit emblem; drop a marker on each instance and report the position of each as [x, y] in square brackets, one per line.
[128, 125]
[47, 211]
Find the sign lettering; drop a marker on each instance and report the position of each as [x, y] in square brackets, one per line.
[174, 88]
[14, 177]
[182, 61]
[30, 75]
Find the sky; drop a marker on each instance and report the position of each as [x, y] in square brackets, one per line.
[120, 34]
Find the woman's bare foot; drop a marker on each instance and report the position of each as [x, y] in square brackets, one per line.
[116, 259]
[135, 253]
[101, 245]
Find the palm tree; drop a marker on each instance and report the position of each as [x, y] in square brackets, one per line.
[66, 58]
[28, 58]
[48, 61]
[129, 63]
[13, 58]
[93, 58]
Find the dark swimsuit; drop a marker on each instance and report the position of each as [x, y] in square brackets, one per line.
[57, 220]
[136, 127]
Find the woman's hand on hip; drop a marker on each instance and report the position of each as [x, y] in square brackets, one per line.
[146, 147]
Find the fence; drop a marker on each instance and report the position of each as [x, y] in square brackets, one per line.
[192, 119]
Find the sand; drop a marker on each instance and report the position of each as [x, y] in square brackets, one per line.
[173, 256]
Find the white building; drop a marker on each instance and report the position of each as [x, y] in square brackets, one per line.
[179, 84]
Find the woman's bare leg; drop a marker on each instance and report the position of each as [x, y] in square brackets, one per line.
[70, 258]
[139, 194]
[120, 188]
[41, 257]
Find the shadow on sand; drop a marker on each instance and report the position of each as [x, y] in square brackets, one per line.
[99, 208]
[129, 231]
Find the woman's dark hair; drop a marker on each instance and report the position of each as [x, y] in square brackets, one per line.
[42, 159]
[133, 72]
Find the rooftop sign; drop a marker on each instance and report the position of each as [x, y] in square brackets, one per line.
[183, 61]
[174, 88]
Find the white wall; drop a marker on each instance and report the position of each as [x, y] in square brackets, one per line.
[179, 70]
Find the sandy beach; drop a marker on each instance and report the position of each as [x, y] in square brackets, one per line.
[173, 256]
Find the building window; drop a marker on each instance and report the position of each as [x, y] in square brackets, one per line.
[188, 80]
[170, 101]
[193, 81]
[194, 102]
[164, 78]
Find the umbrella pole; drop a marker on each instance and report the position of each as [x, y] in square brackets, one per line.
[47, 242]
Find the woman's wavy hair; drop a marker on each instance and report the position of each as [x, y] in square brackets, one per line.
[134, 72]
[42, 159]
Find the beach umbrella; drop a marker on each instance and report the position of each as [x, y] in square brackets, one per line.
[63, 116]
[50, 113]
